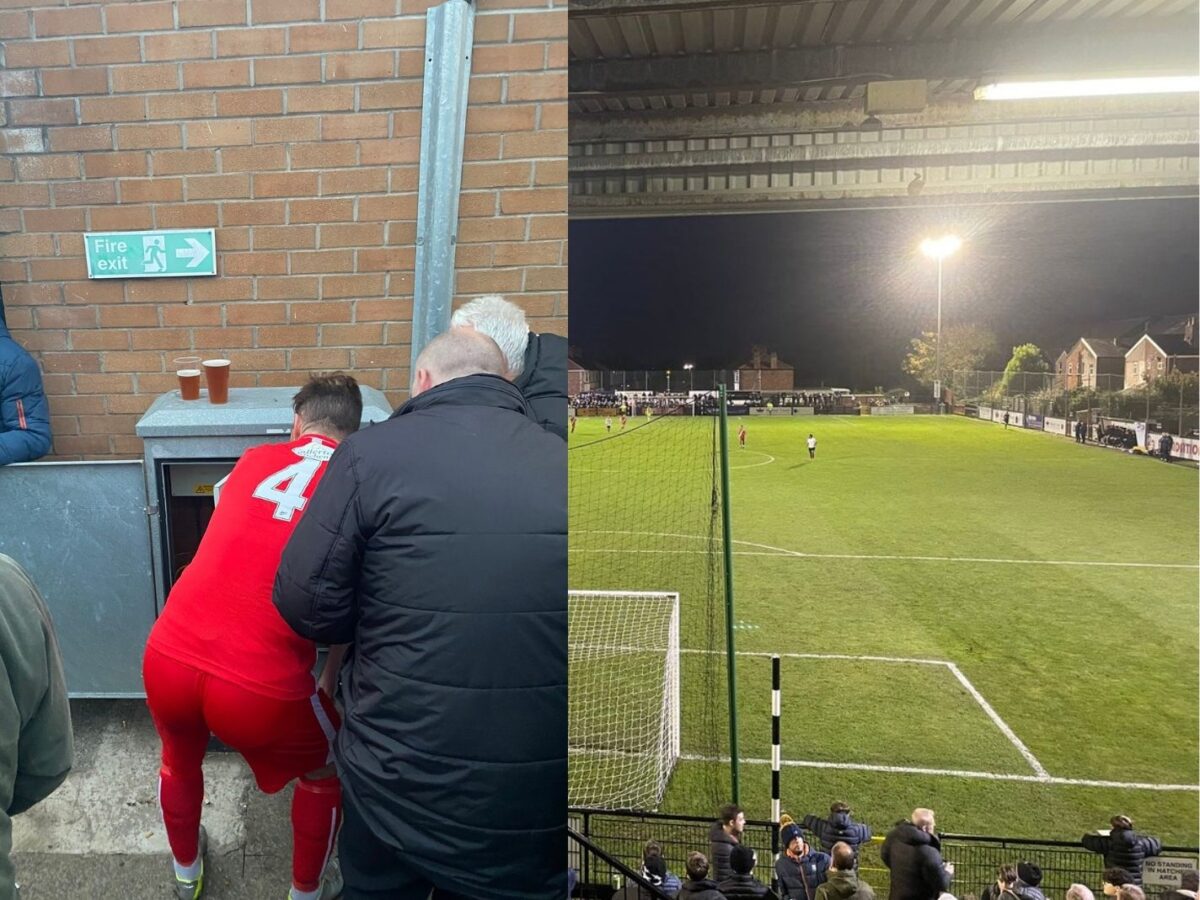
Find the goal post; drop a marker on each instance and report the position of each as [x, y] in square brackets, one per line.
[624, 697]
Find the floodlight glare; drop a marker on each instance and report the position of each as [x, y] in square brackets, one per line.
[1088, 87]
[940, 248]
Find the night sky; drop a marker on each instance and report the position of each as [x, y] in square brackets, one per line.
[839, 294]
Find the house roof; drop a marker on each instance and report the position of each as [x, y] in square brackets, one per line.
[1103, 349]
[1168, 344]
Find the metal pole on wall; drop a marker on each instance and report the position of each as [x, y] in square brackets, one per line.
[776, 744]
[449, 35]
[727, 528]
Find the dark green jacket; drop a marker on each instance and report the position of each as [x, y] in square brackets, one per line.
[844, 886]
[35, 720]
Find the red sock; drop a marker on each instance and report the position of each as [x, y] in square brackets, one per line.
[181, 799]
[316, 814]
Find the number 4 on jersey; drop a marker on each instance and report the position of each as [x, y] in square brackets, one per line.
[286, 488]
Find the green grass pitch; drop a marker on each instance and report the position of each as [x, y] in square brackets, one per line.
[948, 540]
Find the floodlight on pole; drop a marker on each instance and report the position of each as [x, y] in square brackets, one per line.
[689, 367]
[939, 249]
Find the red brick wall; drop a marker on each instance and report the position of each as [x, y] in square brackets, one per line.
[767, 379]
[293, 128]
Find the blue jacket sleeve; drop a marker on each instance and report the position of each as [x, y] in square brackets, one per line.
[316, 585]
[24, 413]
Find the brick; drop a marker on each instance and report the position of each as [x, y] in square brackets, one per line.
[287, 70]
[211, 289]
[219, 133]
[250, 103]
[33, 294]
[355, 9]
[14, 24]
[546, 86]
[151, 190]
[382, 310]
[119, 218]
[319, 38]
[486, 146]
[504, 119]
[112, 109]
[90, 137]
[402, 233]
[258, 263]
[553, 115]
[550, 171]
[557, 55]
[138, 79]
[389, 259]
[176, 45]
[535, 26]
[229, 239]
[504, 58]
[174, 339]
[24, 195]
[217, 187]
[401, 150]
[10, 220]
[187, 215]
[321, 155]
[135, 137]
[353, 126]
[47, 168]
[291, 288]
[390, 95]
[320, 262]
[19, 54]
[58, 269]
[318, 211]
[41, 112]
[537, 200]
[99, 340]
[485, 90]
[477, 203]
[320, 99]
[136, 404]
[130, 361]
[550, 278]
[139, 17]
[83, 445]
[186, 105]
[198, 13]
[51, 22]
[54, 220]
[493, 175]
[360, 66]
[360, 235]
[263, 158]
[185, 162]
[127, 316]
[386, 207]
[543, 228]
[352, 286]
[287, 129]
[354, 181]
[488, 281]
[324, 312]
[528, 253]
[22, 83]
[505, 228]
[222, 339]
[284, 11]
[189, 316]
[84, 193]
[221, 73]
[536, 144]
[22, 140]
[285, 184]
[94, 292]
[318, 359]
[381, 357]
[252, 42]
[285, 237]
[256, 314]
[107, 50]
[72, 244]
[156, 290]
[286, 336]
[70, 362]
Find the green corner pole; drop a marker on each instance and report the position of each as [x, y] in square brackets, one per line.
[727, 528]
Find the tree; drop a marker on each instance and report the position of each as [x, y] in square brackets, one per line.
[964, 347]
[1025, 358]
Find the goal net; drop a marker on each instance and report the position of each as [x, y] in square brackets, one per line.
[623, 731]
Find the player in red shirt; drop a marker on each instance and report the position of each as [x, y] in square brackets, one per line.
[221, 660]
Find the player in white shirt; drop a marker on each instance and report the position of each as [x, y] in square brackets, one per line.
[812, 447]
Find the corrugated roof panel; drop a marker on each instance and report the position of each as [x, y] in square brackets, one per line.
[847, 16]
[696, 30]
[874, 24]
[754, 28]
[663, 31]
[939, 28]
[636, 36]
[580, 40]
[608, 39]
[1045, 10]
[817, 18]
[1084, 8]
[786, 25]
[907, 28]
[1113, 8]
[725, 37]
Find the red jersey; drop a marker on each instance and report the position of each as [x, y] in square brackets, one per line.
[219, 616]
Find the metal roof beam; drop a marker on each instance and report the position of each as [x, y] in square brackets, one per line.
[581, 8]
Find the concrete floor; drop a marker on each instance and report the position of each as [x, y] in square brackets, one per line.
[99, 835]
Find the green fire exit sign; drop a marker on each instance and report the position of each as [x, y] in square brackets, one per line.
[151, 254]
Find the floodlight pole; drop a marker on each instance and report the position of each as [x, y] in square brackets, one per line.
[727, 528]
[937, 365]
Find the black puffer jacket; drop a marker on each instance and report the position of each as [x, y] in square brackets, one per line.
[838, 827]
[720, 846]
[746, 887]
[436, 543]
[1124, 849]
[915, 860]
[543, 381]
[700, 890]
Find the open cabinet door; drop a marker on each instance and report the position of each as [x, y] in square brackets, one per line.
[81, 532]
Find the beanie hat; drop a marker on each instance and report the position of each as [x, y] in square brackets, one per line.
[1029, 873]
[789, 833]
[741, 859]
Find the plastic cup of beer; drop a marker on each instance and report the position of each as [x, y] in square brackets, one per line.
[216, 376]
[187, 368]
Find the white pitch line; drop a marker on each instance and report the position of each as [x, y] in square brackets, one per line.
[782, 551]
[766, 655]
[999, 722]
[957, 773]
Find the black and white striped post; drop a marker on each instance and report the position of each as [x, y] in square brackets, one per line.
[776, 708]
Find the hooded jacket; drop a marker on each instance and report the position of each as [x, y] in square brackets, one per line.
[24, 413]
[745, 887]
[845, 886]
[915, 860]
[720, 845]
[543, 381]
[800, 877]
[436, 544]
[838, 827]
[1124, 849]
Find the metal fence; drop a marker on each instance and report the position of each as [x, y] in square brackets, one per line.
[599, 873]
[975, 857]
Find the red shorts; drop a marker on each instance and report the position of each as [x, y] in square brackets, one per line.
[279, 739]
